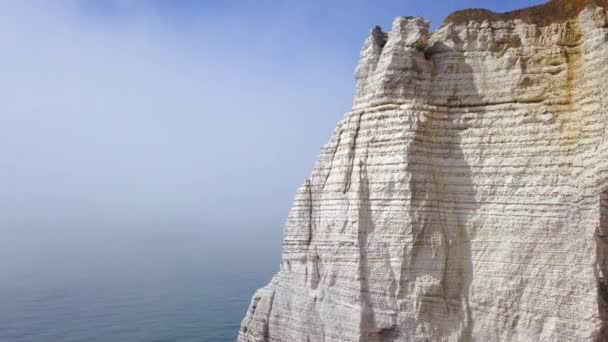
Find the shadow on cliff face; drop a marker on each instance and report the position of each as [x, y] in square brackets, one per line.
[602, 265]
[367, 323]
[439, 264]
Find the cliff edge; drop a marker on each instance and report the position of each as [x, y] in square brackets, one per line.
[464, 197]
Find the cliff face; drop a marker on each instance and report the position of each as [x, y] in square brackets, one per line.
[465, 196]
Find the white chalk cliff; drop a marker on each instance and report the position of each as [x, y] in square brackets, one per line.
[465, 196]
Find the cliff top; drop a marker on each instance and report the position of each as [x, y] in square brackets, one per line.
[551, 12]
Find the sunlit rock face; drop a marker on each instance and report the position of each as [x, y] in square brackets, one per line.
[465, 196]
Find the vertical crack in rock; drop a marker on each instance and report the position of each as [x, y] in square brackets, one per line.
[267, 325]
[601, 238]
[333, 156]
[351, 154]
[310, 204]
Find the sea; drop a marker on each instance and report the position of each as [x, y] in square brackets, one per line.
[167, 284]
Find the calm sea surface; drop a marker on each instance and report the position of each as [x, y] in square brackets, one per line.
[159, 285]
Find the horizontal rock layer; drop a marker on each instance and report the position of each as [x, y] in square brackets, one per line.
[464, 198]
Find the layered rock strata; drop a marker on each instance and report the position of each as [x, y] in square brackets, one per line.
[465, 196]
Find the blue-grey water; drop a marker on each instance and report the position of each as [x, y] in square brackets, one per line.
[162, 284]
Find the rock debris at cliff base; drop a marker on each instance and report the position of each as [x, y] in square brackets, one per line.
[465, 196]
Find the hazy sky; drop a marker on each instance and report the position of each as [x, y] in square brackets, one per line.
[208, 113]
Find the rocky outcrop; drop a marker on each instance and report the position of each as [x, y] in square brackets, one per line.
[465, 196]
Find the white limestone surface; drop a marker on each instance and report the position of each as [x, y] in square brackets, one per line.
[464, 198]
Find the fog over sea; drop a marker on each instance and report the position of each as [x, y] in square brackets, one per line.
[177, 284]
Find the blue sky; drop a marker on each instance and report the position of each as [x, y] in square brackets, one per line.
[207, 113]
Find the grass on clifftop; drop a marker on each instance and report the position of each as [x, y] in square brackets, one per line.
[554, 11]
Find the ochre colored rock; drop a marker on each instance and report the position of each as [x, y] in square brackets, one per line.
[555, 11]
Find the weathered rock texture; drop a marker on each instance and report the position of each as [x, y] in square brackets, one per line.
[465, 196]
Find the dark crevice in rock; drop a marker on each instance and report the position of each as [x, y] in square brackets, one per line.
[333, 156]
[351, 155]
[601, 239]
